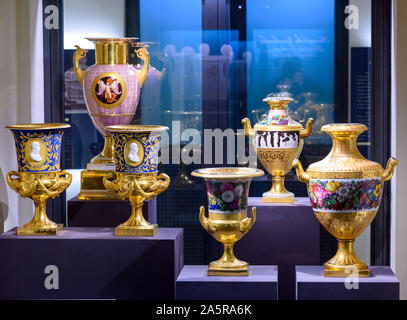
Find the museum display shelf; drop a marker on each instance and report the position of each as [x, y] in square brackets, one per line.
[312, 285]
[193, 283]
[90, 263]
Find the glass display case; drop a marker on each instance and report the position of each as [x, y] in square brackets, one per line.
[211, 65]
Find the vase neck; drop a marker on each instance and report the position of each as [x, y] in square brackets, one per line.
[278, 105]
[344, 143]
[111, 53]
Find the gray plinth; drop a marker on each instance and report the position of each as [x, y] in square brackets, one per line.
[92, 263]
[193, 283]
[312, 285]
[284, 234]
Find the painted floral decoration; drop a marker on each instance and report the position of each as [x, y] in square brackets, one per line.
[227, 196]
[345, 195]
[276, 119]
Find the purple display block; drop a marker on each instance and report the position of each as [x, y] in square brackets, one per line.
[193, 283]
[312, 285]
[105, 213]
[284, 234]
[92, 264]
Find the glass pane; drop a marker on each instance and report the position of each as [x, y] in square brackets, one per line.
[171, 95]
[317, 52]
[247, 49]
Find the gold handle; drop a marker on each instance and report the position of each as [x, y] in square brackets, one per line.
[108, 182]
[388, 172]
[159, 186]
[308, 128]
[68, 177]
[247, 127]
[78, 55]
[203, 219]
[144, 55]
[247, 224]
[14, 183]
[301, 175]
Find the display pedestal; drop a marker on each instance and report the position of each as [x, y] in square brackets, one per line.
[90, 263]
[193, 283]
[283, 234]
[312, 285]
[105, 213]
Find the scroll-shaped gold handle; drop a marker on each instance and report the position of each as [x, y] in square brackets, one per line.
[247, 224]
[248, 131]
[78, 55]
[144, 55]
[301, 175]
[388, 172]
[308, 128]
[203, 219]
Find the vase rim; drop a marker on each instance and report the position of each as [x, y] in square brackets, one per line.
[277, 98]
[344, 127]
[136, 128]
[112, 40]
[143, 43]
[227, 173]
[38, 126]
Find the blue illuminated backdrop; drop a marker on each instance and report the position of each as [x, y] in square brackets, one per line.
[292, 43]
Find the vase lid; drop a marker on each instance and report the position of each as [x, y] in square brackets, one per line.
[227, 173]
[278, 118]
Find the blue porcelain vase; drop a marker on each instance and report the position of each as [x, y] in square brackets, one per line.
[38, 146]
[136, 147]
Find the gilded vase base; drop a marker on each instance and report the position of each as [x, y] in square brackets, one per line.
[346, 263]
[39, 231]
[269, 197]
[237, 268]
[92, 187]
[360, 271]
[140, 231]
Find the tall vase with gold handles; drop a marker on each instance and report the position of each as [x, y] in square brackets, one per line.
[345, 191]
[278, 140]
[228, 191]
[39, 176]
[112, 92]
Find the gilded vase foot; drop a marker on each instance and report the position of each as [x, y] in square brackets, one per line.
[233, 268]
[28, 230]
[346, 263]
[359, 271]
[278, 193]
[92, 187]
[269, 197]
[140, 231]
[107, 154]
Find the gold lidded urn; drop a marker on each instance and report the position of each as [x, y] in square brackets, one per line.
[345, 191]
[278, 140]
[112, 92]
[136, 178]
[228, 192]
[39, 176]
